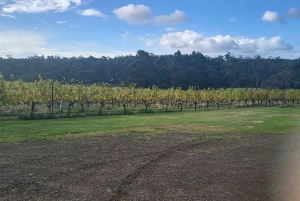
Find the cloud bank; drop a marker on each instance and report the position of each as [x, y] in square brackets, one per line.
[22, 44]
[192, 41]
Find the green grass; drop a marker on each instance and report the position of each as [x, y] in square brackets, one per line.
[248, 120]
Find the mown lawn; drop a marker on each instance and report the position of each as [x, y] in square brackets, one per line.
[245, 120]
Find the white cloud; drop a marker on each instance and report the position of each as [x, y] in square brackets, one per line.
[141, 38]
[176, 17]
[91, 12]
[124, 35]
[190, 41]
[270, 16]
[73, 26]
[293, 13]
[37, 6]
[148, 41]
[46, 23]
[141, 14]
[9, 16]
[134, 14]
[62, 22]
[170, 29]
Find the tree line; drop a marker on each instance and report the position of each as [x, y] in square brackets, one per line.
[165, 71]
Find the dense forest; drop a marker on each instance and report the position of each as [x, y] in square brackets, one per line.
[146, 69]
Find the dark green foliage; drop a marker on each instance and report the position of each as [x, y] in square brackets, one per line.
[166, 71]
[36, 116]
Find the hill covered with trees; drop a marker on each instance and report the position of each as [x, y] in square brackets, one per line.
[146, 69]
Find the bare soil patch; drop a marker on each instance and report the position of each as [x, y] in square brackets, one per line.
[165, 167]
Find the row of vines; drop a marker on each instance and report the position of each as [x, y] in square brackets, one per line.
[53, 97]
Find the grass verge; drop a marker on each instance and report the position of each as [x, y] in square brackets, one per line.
[270, 120]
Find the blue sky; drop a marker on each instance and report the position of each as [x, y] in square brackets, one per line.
[70, 28]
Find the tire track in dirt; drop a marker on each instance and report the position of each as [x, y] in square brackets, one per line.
[121, 192]
[22, 185]
[105, 162]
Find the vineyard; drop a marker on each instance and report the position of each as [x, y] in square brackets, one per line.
[49, 97]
